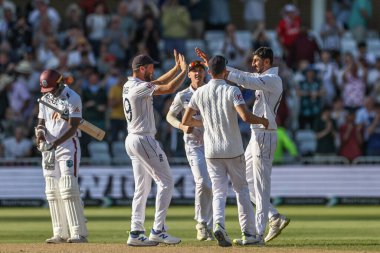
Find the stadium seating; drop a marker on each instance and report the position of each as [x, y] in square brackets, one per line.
[306, 142]
[120, 156]
[99, 153]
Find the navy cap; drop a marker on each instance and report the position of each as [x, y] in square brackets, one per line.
[141, 60]
[217, 64]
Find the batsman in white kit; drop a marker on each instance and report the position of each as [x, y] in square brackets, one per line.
[58, 141]
[148, 159]
[194, 148]
[219, 104]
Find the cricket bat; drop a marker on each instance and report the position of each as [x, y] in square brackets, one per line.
[84, 125]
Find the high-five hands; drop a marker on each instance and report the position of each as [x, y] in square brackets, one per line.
[202, 55]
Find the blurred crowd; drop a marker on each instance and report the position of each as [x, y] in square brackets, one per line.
[332, 93]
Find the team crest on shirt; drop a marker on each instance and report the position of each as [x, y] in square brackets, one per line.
[239, 97]
[69, 163]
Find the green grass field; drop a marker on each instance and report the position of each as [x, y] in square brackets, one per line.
[353, 228]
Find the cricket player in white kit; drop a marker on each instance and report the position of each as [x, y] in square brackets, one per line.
[268, 86]
[194, 147]
[148, 159]
[58, 141]
[219, 104]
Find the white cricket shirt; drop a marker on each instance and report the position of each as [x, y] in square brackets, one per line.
[138, 106]
[268, 86]
[216, 103]
[70, 102]
[179, 105]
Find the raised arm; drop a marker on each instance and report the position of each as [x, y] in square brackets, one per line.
[188, 119]
[249, 117]
[250, 81]
[173, 85]
[168, 76]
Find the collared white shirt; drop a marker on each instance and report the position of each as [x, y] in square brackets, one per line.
[68, 101]
[179, 105]
[138, 106]
[268, 86]
[216, 103]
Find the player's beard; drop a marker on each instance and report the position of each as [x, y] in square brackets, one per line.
[148, 77]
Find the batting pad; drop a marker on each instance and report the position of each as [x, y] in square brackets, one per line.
[57, 209]
[74, 210]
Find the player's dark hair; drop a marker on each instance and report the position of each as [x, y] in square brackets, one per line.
[265, 53]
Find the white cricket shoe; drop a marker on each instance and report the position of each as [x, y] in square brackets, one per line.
[140, 240]
[56, 239]
[163, 237]
[77, 239]
[276, 226]
[202, 233]
[245, 240]
[222, 236]
[210, 237]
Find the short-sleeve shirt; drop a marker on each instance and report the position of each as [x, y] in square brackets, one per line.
[179, 105]
[216, 103]
[70, 103]
[138, 106]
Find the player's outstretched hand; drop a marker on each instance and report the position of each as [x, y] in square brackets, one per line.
[176, 58]
[187, 129]
[202, 55]
[183, 63]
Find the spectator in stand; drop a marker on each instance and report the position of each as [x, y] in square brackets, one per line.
[96, 24]
[232, 49]
[116, 115]
[341, 10]
[175, 20]
[20, 37]
[6, 22]
[305, 47]
[42, 34]
[149, 35]
[331, 32]
[328, 71]
[17, 145]
[361, 12]
[353, 87]
[368, 57]
[375, 93]
[310, 92]
[351, 138]
[19, 96]
[94, 99]
[73, 17]
[325, 133]
[106, 61]
[219, 14]
[6, 66]
[374, 74]
[338, 113]
[127, 23]
[363, 116]
[198, 10]
[254, 14]
[43, 10]
[373, 133]
[260, 39]
[116, 41]
[81, 55]
[5, 82]
[288, 29]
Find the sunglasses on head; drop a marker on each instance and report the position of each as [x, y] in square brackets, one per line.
[197, 64]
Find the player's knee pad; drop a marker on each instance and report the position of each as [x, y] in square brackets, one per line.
[57, 210]
[51, 188]
[69, 189]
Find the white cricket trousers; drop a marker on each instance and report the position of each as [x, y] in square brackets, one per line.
[203, 187]
[219, 170]
[149, 162]
[251, 183]
[263, 146]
